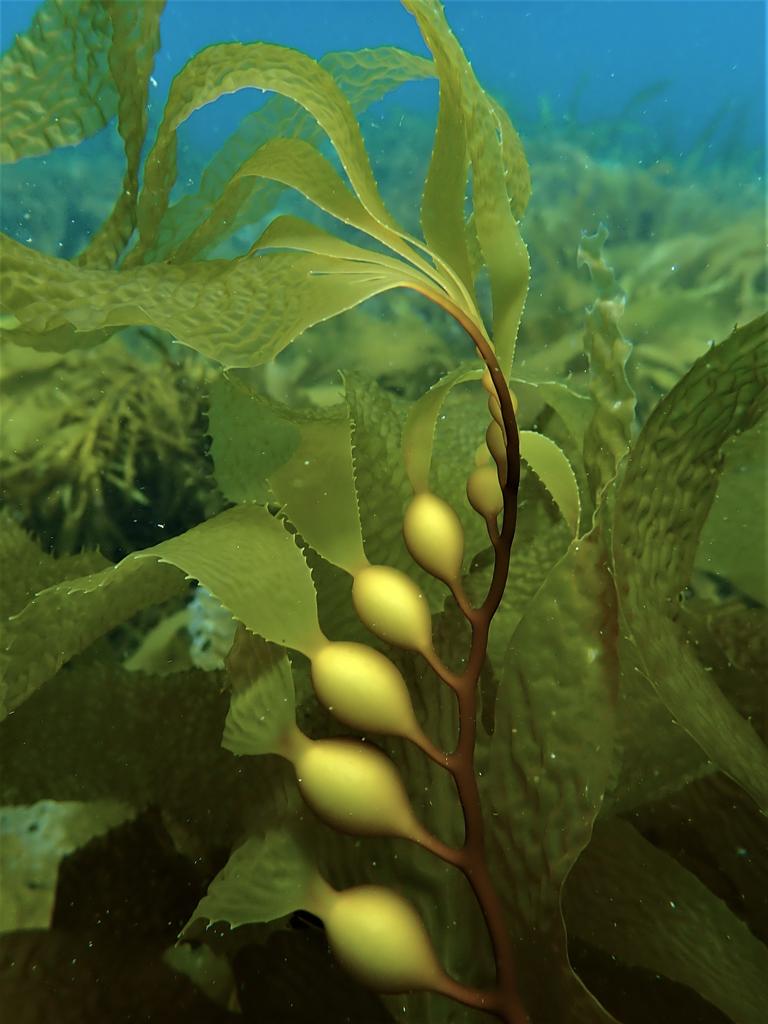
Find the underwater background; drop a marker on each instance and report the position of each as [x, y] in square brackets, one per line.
[644, 127]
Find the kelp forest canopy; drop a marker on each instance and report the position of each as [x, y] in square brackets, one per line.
[223, 380]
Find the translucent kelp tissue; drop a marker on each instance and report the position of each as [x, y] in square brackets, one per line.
[379, 643]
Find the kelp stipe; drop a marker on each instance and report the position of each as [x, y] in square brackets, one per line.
[343, 518]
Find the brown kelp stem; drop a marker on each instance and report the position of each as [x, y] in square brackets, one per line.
[504, 1002]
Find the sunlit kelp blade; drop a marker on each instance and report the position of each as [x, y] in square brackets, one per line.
[661, 506]
[636, 902]
[363, 76]
[243, 556]
[504, 252]
[551, 466]
[547, 771]
[226, 68]
[298, 165]
[135, 41]
[239, 312]
[56, 87]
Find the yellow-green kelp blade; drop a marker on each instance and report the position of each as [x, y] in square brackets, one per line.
[56, 88]
[549, 764]
[262, 708]
[504, 252]
[266, 878]
[244, 557]
[240, 312]
[301, 457]
[550, 464]
[227, 68]
[661, 506]
[364, 76]
[135, 41]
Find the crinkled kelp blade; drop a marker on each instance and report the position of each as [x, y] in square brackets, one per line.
[549, 763]
[243, 556]
[298, 165]
[56, 88]
[266, 878]
[550, 464]
[639, 905]
[608, 435]
[504, 253]
[241, 312]
[661, 505]
[227, 68]
[301, 457]
[135, 41]
[364, 77]
[262, 709]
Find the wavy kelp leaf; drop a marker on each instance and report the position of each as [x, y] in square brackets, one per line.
[135, 41]
[33, 840]
[653, 756]
[661, 505]
[69, 625]
[229, 67]
[733, 541]
[549, 463]
[298, 165]
[251, 438]
[364, 76]
[56, 88]
[638, 904]
[504, 252]
[240, 312]
[549, 764]
[419, 432]
[608, 435]
[266, 878]
[302, 457]
[713, 822]
[243, 556]
[291, 232]
[26, 569]
[316, 488]
[380, 481]
[100, 732]
[445, 187]
[574, 410]
[263, 704]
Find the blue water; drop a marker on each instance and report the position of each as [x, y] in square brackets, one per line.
[707, 54]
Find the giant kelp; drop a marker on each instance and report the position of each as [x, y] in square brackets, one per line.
[593, 705]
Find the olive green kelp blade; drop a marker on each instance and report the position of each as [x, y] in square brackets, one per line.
[135, 41]
[56, 87]
[500, 180]
[226, 68]
[661, 506]
[548, 767]
[205, 218]
[638, 904]
[240, 312]
[244, 557]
